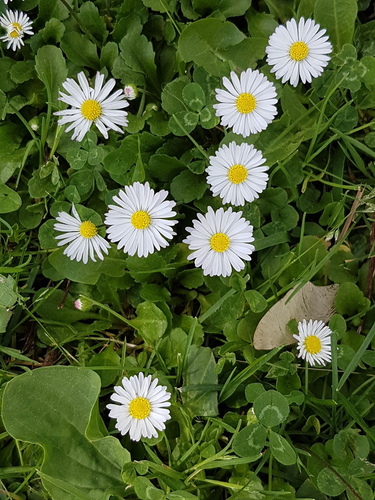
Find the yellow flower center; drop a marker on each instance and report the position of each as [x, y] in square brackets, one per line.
[141, 219]
[140, 408]
[219, 242]
[298, 51]
[87, 229]
[91, 109]
[237, 174]
[17, 30]
[246, 103]
[313, 344]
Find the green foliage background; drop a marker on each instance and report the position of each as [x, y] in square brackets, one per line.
[246, 424]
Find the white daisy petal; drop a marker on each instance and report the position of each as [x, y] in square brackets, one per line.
[314, 342]
[140, 223]
[236, 175]
[220, 241]
[248, 104]
[142, 407]
[92, 105]
[84, 242]
[298, 52]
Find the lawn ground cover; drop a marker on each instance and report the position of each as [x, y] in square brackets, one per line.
[187, 259]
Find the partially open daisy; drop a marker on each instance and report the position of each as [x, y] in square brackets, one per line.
[248, 104]
[141, 220]
[142, 410]
[298, 51]
[92, 105]
[236, 173]
[314, 342]
[82, 238]
[17, 24]
[220, 241]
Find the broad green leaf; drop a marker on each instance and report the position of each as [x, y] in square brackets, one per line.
[183, 122]
[160, 6]
[329, 483]
[350, 300]
[150, 322]
[50, 66]
[10, 200]
[250, 440]
[52, 8]
[5, 316]
[204, 42]
[80, 50]
[281, 449]
[145, 490]
[200, 382]
[53, 407]
[7, 295]
[187, 187]
[172, 97]
[256, 301]
[271, 408]
[92, 21]
[338, 17]
[138, 54]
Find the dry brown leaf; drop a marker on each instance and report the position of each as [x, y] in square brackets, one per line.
[310, 302]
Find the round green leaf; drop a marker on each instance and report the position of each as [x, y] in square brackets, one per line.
[183, 122]
[193, 96]
[9, 200]
[271, 408]
[250, 440]
[281, 449]
[329, 483]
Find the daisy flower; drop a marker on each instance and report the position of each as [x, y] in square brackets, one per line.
[220, 241]
[17, 24]
[314, 342]
[236, 173]
[248, 104]
[92, 105]
[142, 409]
[141, 220]
[298, 51]
[82, 237]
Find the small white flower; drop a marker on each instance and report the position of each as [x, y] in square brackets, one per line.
[130, 92]
[236, 175]
[248, 104]
[83, 238]
[92, 105]
[314, 342]
[220, 241]
[17, 24]
[142, 409]
[298, 51]
[141, 221]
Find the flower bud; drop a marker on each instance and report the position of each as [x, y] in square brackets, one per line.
[83, 303]
[130, 91]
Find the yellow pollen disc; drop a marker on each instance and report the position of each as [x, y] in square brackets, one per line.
[87, 229]
[141, 219]
[246, 103]
[140, 408]
[219, 242]
[298, 51]
[17, 26]
[91, 109]
[313, 344]
[14, 34]
[237, 174]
